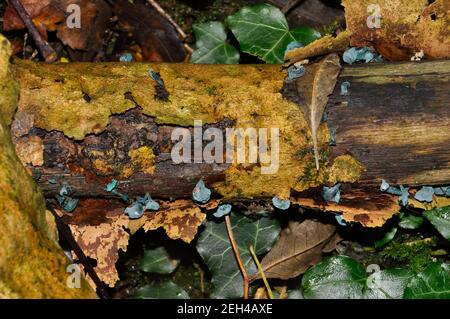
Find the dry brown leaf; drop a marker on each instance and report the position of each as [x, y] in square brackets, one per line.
[312, 100]
[102, 243]
[300, 246]
[94, 19]
[407, 27]
[157, 38]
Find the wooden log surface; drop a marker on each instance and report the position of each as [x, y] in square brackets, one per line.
[395, 122]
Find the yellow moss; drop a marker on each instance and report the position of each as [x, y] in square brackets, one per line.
[144, 158]
[345, 169]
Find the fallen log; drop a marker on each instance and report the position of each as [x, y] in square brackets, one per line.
[88, 123]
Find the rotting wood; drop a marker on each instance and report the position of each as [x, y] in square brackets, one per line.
[392, 125]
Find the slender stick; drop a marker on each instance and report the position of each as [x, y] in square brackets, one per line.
[161, 11]
[237, 255]
[261, 272]
[44, 47]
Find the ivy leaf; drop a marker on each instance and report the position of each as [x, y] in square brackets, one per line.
[408, 221]
[390, 234]
[337, 277]
[164, 290]
[214, 247]
[341, 277]
[440, 218]
[211, 44]
[388, 283]
[158, 261]
[432, 283]
[262, 30]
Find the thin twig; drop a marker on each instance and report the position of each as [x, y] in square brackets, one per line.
[261, 272]
[161, 11]
[44, 47]
[237, 255]
[180, 31]
[202, 277]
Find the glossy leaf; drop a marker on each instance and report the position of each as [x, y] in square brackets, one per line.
[158, 261]
[432, 283]
[342, 277]
[408, 221]
[388, 283]
[337, 277]
[165, 290]
[211, 44]
[262, 30]
[388, 236]
[215, 249]
[440, 218]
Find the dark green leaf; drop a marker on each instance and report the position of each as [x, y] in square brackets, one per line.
[262, 30]
[344, 278]
[211, 44]
[158, 261]
[337, 277]
[388, 283]
[215, 249]
[386, 238]
[432, 283]
[440, 218]
[165, 290]
[408, 221]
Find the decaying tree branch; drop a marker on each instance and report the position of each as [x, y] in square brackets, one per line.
[85, 124]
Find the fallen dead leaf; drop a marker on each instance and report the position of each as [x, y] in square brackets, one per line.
[300, 246]
[102, 243]
[95, 16]
[156, 36]
[44, 13]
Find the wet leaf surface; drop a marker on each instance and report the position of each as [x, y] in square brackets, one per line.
[338, 277]
[432, 283]
[165, 290]
[440, 218]
[214, 247]
[158, 261]
[262, 30]
[212, 46]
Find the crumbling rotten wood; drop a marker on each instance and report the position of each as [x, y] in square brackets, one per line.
[85, 124]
